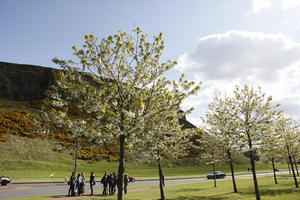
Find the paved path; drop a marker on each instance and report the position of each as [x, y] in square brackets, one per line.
[129, 191]
[40, 189]
[37, 189]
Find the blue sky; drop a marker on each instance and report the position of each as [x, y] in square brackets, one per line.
[218, 42]
[34, 31]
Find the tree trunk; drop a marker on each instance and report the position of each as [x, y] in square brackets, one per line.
[162, 195]
[289, 166]
[254, 177]
[121, 166]
[252, 162]
[274, 171]
[232, 171]
[294, 175]
[76, 156]
[214, 171]
[296, 166]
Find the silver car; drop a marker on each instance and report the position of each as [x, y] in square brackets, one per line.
[4, 180]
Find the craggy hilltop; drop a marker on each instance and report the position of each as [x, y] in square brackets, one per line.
[27, 84]
[21, 82]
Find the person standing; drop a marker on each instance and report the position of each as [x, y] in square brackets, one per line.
[78, 184]
[72, 182]
[92, 182]
[109, 182]
[105, 183]
[115, 181]
[126, 180]
[82, 183]
[112, 183]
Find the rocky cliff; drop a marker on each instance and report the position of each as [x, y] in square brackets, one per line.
[21, 82]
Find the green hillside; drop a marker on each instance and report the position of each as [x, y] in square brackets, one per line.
[24, 156]
[39, 159]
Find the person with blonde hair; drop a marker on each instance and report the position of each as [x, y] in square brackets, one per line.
[82, 183]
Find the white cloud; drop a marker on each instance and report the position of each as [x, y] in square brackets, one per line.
[222, 61]
[286, 4]
[251, 55]
[259, 5]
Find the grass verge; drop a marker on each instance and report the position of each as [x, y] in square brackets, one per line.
[49, 170]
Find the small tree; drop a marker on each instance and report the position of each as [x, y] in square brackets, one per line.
[289, 139]
[162, 141]
[125, 79]
[296, 148]
[271, 147]
[253, 110]
[221, 120]
[212, 153]
[295, 160]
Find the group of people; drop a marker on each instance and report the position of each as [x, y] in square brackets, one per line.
[109, 182]
[76, 184]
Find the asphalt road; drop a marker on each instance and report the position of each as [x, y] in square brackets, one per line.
[40, 189]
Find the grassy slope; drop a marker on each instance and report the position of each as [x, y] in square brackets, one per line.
[28, 158]
[33, 158]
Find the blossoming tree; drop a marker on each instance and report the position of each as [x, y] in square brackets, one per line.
[121, 78]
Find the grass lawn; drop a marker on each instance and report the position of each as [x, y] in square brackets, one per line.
[204, 190]
[34, 159]
[20, 160]
[22, 170]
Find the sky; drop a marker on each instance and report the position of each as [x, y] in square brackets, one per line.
[221, 43]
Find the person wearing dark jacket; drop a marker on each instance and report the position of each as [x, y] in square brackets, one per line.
[92, 182]
[72, 182]
[109, 179]
[105, 183]
[115, 181]
[111, 183]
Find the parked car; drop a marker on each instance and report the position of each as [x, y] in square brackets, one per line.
[218, 174]
[131, 178]
[4, 180]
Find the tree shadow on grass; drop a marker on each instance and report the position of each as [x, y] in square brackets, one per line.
[188, 190]
[273, 192]
[56, 196]
[199, 197]
[94, 197]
